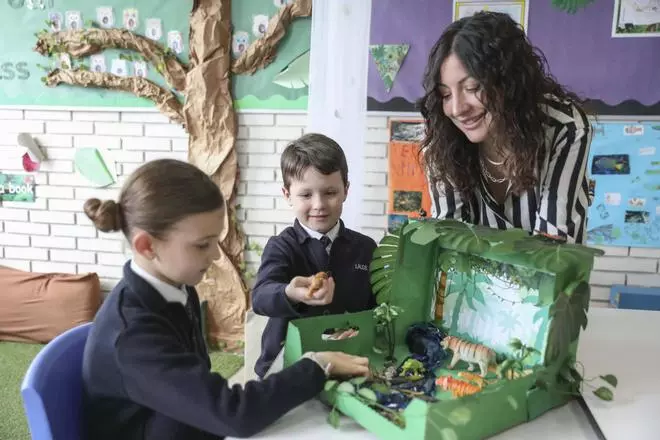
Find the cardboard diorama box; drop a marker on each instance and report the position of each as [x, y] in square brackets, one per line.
[476, 331]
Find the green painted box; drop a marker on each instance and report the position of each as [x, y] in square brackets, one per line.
[503, 289]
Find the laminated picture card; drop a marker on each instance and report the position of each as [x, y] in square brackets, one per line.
[476, 331]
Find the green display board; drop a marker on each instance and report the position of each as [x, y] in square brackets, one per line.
[21, 68]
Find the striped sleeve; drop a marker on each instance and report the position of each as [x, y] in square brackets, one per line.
[563, 201]
[448, 204]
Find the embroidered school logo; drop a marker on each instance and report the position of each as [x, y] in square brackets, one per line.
[361, 266]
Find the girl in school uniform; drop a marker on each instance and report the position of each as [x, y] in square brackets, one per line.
[146, 370]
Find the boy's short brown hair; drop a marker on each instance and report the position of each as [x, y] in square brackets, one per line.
[315, 150]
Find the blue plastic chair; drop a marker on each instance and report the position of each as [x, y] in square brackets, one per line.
[52, 387]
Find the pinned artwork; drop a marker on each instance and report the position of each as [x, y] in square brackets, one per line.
[154, 29]
[625, 165]
[296, 74]
[131, 19]
[97, 63]
[175, 41]
[281, 3]
[388, 59]
[105, 16]
[74, 20]
[55, 20]
[259, 25]
[35, 4]
[95, 166]
[64, 61]
[239, 43]
[17, 187]
[119, 67]
[140, 69]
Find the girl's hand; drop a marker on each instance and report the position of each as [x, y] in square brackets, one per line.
[342, 364]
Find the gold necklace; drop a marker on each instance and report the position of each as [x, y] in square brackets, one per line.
[487, 173]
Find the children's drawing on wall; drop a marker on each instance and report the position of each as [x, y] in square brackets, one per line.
[517, 9]
[625, 170]
[636, 18]
[407, 185]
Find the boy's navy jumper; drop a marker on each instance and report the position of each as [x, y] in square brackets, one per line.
[294, 253]
[146, 374]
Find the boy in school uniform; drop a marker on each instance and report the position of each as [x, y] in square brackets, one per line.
[315, 184]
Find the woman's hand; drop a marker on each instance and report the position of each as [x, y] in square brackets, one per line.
[298, 291]
[337, 363]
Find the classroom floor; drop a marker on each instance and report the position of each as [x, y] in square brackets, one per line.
[15, 359]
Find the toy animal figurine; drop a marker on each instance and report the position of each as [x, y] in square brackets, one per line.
[412, 368]
[458, 388]
[317, 283]
[470, 353]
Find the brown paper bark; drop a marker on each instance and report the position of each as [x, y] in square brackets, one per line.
[208, 116]
[165, 100]
[262, 51]
[84, 42]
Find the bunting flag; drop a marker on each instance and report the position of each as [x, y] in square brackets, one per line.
[388, 59]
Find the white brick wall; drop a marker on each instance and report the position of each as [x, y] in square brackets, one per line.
[53, 234]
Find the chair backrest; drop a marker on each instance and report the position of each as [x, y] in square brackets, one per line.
[52, 387]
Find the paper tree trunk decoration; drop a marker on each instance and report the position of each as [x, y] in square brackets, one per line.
[208, 116]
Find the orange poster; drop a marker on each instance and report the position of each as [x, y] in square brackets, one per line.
[408, 191]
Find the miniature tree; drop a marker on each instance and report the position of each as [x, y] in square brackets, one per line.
[207, 114]
[384, 317]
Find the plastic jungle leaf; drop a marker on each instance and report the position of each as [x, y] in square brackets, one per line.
[296, 74]
[610, 379]
[333, 418]
[330, 385]
[91, 165]
[546, 290]
[604, 393]
[516, 344]
[425, 234]
[382, 267]
[568, 314]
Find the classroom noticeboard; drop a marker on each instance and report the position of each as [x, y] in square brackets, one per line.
[165, 21]
[408, 191]
[624, 170]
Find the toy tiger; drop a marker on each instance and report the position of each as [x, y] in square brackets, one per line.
[458, 388]
[470, 353]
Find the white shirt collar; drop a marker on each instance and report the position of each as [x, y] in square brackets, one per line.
[331, 234]
[167, 291]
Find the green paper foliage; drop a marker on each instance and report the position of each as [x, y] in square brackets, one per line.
[296, 74]
[89, 162]
[570, 6]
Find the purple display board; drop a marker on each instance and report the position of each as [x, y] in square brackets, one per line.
[619, 76]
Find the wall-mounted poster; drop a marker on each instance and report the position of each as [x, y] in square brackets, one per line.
[408, 190]
[517, 9]
[624, 171]
[636, 18]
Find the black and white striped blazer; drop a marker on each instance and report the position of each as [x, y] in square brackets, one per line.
[557, 206]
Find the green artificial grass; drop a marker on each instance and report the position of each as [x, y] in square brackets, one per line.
[14, 361]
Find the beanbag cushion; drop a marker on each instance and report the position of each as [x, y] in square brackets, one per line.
[36, 307]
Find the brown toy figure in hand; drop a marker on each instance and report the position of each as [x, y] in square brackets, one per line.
[317, 283]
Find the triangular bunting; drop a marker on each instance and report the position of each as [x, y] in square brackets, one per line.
[388, 59]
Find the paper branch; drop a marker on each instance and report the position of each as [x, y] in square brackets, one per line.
[165, 100]
[262, 51]
[85, 42]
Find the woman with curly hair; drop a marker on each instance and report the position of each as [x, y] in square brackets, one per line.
[506, 146]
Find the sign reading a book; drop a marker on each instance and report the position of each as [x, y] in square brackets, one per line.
[16, 187]
[407, 186]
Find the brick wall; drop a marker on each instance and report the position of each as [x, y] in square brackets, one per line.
[53, 234]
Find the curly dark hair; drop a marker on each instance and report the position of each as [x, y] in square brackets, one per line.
[514, 78]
